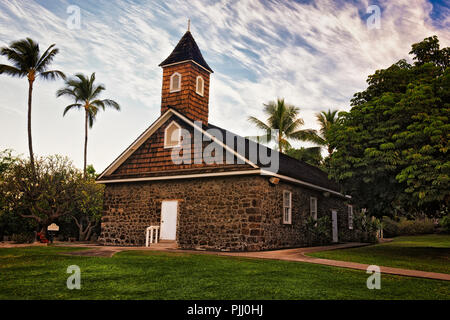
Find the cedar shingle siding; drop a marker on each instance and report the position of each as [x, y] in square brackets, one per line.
[186, 101]
[151, 157]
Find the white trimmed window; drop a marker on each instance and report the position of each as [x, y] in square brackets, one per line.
[350, 216]
[200, 84]
[287, 207]
[313, 207]
[172, 135]
[175, 82]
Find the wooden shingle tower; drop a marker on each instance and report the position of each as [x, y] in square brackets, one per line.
[185, 85]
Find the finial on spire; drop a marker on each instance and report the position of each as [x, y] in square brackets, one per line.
[189, 25]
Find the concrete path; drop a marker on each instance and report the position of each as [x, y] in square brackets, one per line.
[11, 244]
[299, 255]
[296, 254]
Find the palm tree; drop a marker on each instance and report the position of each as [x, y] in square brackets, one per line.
[283, 124]
[27, 61]
[85, 94]
[326, 120]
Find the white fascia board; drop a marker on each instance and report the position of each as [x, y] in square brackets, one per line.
[269, 173]
[185, 176]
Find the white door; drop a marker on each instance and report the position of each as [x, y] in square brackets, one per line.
[169, 211]
[335, 225]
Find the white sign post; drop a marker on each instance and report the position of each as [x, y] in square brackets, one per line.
[52, 229]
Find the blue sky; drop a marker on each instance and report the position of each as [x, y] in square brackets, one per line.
[316, 54]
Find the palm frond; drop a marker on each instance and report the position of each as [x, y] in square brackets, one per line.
[52, 75]
[16, 58]
[12, 71]
[46, 59]
[98, 104]
[258, 123]
[67, 91]
[92, 114]
[284, 145]
[70, 107]
[29, 49]
[92, 77]
[307, 135]
[95, 92]
[111, 103]
[263, 139]
[44, 55]
[293, 125]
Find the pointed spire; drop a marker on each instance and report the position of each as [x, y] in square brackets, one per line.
[189, 25]
[186, 50]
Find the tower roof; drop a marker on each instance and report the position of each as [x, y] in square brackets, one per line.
[186, 50]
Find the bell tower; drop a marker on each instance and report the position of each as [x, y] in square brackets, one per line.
[185, 84]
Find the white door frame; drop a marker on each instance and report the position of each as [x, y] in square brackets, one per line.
[334, 225]
[169, 220]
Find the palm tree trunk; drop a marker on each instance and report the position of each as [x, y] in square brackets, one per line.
[85, 142]
[30, 140]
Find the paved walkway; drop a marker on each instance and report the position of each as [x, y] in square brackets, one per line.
[297, 254]
[11, 244]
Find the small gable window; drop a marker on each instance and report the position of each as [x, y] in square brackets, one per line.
[313, 207]
[175, 82]
[287, 207]
[200, 86]
[172, 135]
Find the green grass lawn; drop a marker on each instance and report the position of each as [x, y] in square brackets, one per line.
[40, 273]
[426, 253]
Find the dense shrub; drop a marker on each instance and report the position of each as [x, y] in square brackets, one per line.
[366, 227]
[319, 231]
[418, 226]
[53, 192]
[392, 228]
[25, 237]
[445, 223]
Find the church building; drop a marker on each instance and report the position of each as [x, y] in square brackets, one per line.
[232, 199]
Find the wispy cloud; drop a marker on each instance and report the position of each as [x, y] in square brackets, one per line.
[316, 54]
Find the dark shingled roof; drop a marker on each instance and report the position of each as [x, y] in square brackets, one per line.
[186, 49]
[288, 166]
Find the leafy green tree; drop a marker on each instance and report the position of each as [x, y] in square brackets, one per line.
[88, 202]
[6, 160]
[283, 123]
[85, 94]
[9, 223]
[428, 51]
[391, 148]
[27, 61]
[43, 192]
[311, 155]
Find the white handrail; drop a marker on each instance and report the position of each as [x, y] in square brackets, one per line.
[149, 232]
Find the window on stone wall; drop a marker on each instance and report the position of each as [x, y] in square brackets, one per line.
[350, 216]
[287, 207]
[313, 207]
[200, 86]
[175, 82]
[172, 135]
